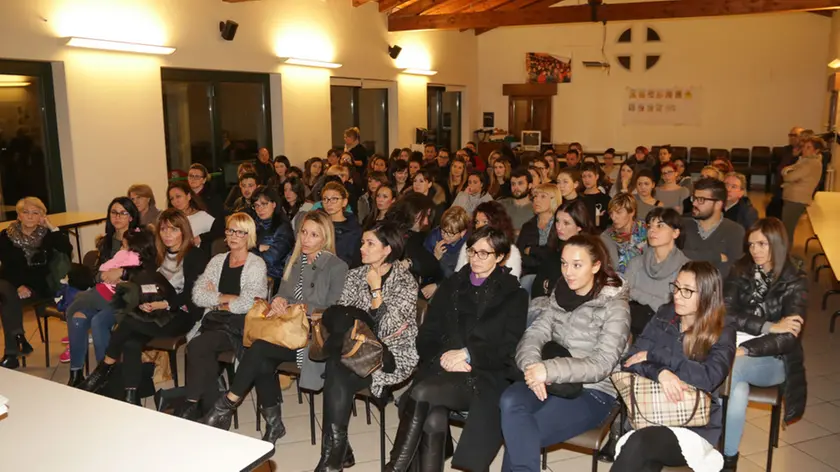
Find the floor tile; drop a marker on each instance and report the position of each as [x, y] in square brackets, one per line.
[825, 415]
[790, 459]
[825, 449]
[802, 430]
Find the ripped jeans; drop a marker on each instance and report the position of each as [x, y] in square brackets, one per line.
[98, 318]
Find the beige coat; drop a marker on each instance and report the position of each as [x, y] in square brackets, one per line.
[801, 179]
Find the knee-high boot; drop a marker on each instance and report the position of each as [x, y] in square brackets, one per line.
[408, 435]
[433, 451]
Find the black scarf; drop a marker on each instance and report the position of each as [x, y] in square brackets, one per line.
[29, 244]
[567, 298]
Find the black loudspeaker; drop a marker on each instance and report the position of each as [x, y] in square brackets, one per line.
[228, 29]
[394, 51]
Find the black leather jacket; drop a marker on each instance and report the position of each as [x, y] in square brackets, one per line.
[787, 296]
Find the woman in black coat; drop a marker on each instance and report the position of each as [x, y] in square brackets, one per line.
[412, 213]
[27, 249]
[766, 298]
[466, 348]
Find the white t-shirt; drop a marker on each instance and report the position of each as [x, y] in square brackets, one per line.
[201, 222]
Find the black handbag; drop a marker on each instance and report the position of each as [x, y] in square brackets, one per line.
[224, 321]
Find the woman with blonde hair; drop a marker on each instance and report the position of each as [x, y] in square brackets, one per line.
[144, 199]
[226, 290]
[27, 246]
[500, 179]
[712, 172]
[457, 178]
[314, 277]
[533, 237]
[687, 344]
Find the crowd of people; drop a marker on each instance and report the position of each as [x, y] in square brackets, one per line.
[544, 274]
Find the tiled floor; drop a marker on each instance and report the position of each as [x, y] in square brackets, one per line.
[811, 445]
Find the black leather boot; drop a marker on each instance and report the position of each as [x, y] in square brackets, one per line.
[349, 457]
[274, 428]
[408, 435]
[432, 456]
[132, 397]
[76, 377]
[98, 378]
[730, 463]
[221, 415]
[23, 345]
[10, 362]
[189, 411]
[334, 449]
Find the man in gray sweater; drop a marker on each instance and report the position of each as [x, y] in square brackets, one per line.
[709, 236]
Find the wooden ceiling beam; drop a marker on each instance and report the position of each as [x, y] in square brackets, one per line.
[609, 12]
[449, 7]
[484, 5]
[358, 3]
[387, 5]
[418, 7]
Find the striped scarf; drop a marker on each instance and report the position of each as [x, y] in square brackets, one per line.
[298, 294]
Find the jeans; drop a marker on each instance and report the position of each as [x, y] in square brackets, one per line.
[98, 318]
[529, 424]
[759, 371]
[791, 212]
[527, 281]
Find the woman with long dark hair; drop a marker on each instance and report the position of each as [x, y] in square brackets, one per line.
[493, 214]
[766, 297]
[464, 369]
[385, 198]
[198, 179]
[474, 193]
[687, 344]
[275, 237]
[294, 204]
[312, 170]
[204, 226]
[457, 178]
[578, 336]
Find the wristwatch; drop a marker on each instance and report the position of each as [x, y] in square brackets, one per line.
[376, 293]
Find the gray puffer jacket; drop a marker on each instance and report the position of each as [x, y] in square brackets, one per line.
[595, 333]
[649, 280]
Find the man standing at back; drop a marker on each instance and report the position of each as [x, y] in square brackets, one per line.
[264, 166]
[708, 235]
[518, 205]
[787, 156]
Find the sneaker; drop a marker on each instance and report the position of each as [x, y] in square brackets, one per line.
[65, 356]
[65, 340]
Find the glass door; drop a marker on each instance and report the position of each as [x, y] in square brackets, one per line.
[444, 117]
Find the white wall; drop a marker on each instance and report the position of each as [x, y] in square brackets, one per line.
[759, 74]
[110, 106]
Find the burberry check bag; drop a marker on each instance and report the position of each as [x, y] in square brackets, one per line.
[647, 404]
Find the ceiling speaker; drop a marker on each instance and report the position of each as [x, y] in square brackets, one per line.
[394, 51]
[228, 29]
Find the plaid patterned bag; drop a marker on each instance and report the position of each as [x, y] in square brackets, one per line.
[647, 404]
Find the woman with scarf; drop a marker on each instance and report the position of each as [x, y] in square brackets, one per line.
[27, 249]
[626, 238]
[445, 243]
[275, 237]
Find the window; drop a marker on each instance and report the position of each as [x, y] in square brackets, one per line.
[364, 108]
[444, 112]
[30, 164]
[218, 119]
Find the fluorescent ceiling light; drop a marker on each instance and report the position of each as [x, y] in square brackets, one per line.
[310, 63]
[835, 64]
[118, 46]
[14, 84]
[419, 71]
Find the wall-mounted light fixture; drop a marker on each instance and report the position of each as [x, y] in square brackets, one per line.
[419, 71]
[309, 63]
[14, 84]
[835, 64]
[118, 46]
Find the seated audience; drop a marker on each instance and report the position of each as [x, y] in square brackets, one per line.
[294, 204]
[144, 199]
[385, 198]
[178, 265]
[800, 181]
[723, 164]
[610, 169]
[264, 166]
[518, 205]
[475, 192]
[568, 183]
[533, 238]
[665, 155]
[766, 297]
[198, 179]
[383, 295]
[626, 238]
[315, 278]
[226, 290]
[424, 184]
[572, 160]
[275, 237]
[641, 159]
[445, 241]
[626, 180]
[279, 174]
[493, 214]
[245, 203]
[709, 236]
[205, 228]
[570, 219]
[686, 345]
[587, 319]
[411, 213]
[500, 179]
[649, 275]
[367, 202]
[682, 179]
[711, 172]
[595, 199]
[29, 248]
[671, 193]
[312, 170]
[645, 199]
[545, 168]
[399, 176]
[377, 164]
[463, 370]
[235, 192]
[738, 207]
[456, 179]
[348, 233]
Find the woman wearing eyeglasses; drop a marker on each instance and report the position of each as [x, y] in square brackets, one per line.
[671, 193]
[198, 179]
[227, 289]
[466, 348]
[566, 356]
[27, 247]
[687, 344]
[767, 297]
[205, 227]
[348, 233]
[275, 237]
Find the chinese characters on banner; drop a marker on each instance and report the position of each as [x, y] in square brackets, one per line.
[545, 68]
[675, 106]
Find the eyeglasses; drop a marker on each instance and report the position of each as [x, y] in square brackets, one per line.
[684, 292]
[236, 232]
[331, 200]
[702, 200]
[259, 204]
[448, 234]
[195, 176]
[119, 214]
[482, 255]
[758, 244]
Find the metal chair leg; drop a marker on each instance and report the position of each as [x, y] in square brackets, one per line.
[353, 408]
[814, 259]
[47, 341]
[808, 241]
[367, 409]
[312, 417]
[382, 438]
[173, 365]
[231, 373]
[817, 271]
[544, 458]
[827, 294]
[300, 396]
[833, 320]
[595, 461]
[38, 311]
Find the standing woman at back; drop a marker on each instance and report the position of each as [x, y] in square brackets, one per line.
[353, 145]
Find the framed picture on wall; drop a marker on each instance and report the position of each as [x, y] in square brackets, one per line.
[489, 119]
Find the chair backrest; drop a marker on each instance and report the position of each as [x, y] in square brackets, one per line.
[740, 156]
[698, 154]
[90, 258]
[679, 151]
[217, 247]
[716, 152]
[763, 151]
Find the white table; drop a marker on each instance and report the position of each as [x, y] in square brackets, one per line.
[51, 426]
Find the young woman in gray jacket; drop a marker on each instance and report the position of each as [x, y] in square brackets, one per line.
[588, 315]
